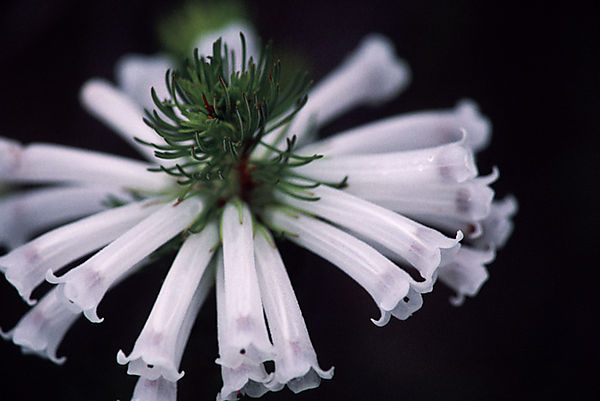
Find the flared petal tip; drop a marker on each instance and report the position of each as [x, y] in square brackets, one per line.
[383, 320]
[149, 369]
[466, 272]
[92, 315]
[52, 278]
[23, 290]
[6, 335]
[498, 225]
[411, 303]
[312, 379]
[29, 345]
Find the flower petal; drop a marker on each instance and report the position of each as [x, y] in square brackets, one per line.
[85, 285]
[467, 201]
[409, 170]
[385, 282]
[465, 272]
[136, 75]
[249, 376]
[370, 75]
[158, 349]
[406, 239]
[498, 225]
[42, 163]
[408, 132]
[295, 359]
[26, 213]
[246, 334]
[25, 267]
[41, 330]
[119, 112]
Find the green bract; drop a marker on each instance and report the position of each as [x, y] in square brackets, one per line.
[216, 117]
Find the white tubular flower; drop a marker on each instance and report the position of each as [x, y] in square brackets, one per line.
[385, 282]
[246, 336]
[405, 239]
[119, 112]
[85, 285]
[26, 266]
[23, 214]
[409, 132]
[159, 347]
[248, 376]
[452, 163]
[295, 359]
[465, 272]
[449, 206]
[42, 329]
[372, 74]
[221, 145]
[43, 163]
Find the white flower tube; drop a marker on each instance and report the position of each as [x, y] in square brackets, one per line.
[465, 272]
[42, 329]
[42, 163]
[25, 267]
[159, 389]
[387, 284]
[246, 335]
[467, 201]
[115, 109]
[410, 169]
[160, 345]
[409, 132]
[370, 75]
[85, 285]
[407, 240]
[26, 213]
[295, 359]
[498, 225]
[248, 377]
[470, 229]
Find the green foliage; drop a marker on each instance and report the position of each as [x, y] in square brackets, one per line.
[216, 117]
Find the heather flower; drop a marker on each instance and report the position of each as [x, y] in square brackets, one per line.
[230, 165]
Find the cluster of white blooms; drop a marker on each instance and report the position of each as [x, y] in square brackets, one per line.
[409, 181]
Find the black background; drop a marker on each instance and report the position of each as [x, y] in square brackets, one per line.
[533, 69]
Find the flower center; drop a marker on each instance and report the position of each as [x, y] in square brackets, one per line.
[216, 117]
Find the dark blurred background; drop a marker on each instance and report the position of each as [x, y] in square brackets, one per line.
[533, 69]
